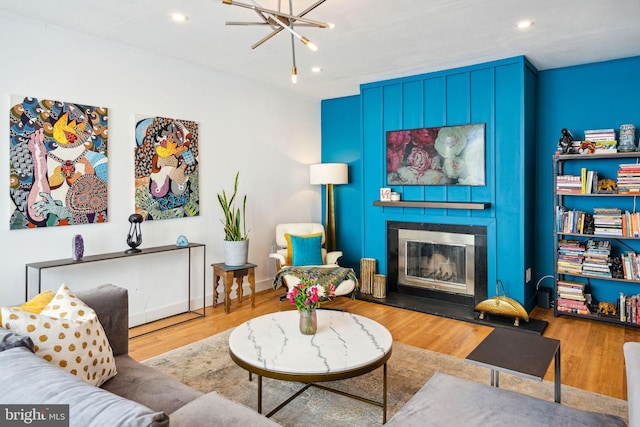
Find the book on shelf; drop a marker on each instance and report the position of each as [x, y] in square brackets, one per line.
[583, 311]
[568, 184]
[631, 265]
[570, 256]
[607, 221]
[570, 221]
[571, 297]
[628, 178]
[628, 308]
[604, 140]
[596, 135]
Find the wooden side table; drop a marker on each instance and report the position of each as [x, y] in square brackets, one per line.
[228, 272]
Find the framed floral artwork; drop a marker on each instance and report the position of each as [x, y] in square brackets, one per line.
[447, 155]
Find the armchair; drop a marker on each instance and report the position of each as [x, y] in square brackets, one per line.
[298, 244]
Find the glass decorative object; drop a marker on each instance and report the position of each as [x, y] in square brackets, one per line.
[308, 321]
[627, 137]
[77, 247]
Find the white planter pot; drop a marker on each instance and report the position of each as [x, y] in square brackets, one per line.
[236, 252]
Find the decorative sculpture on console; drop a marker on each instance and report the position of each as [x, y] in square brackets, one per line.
[134, 238]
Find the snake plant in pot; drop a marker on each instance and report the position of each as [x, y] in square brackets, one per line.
[236, 237]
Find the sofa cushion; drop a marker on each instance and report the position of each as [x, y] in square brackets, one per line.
[67, 334]
[449, 401]
[29, 379]
[149, 386]
[35, 304]
[213, 409]
[304, 250]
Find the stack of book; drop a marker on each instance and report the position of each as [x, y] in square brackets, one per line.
[568, 184]
[631, 265]
[571, 298]
[629, 178]
[604, 140]
[597, 261]
[607, 221]
[570, 256]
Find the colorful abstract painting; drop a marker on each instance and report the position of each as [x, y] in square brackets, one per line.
[448, 155]
[166, 161]
[57, 163]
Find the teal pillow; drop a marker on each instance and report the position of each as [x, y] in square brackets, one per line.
[306, 250]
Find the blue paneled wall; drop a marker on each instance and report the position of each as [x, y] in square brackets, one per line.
[498, 94]
[592, 96]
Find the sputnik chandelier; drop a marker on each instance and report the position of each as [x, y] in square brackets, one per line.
[278, 21]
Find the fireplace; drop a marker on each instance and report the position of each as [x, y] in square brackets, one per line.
[441, 262]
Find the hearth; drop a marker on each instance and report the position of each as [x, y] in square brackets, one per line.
[441, 272]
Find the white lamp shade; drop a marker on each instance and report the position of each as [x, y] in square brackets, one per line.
[329, 173]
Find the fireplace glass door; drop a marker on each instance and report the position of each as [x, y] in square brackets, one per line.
[439, 261]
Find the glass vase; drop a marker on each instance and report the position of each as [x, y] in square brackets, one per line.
[308, 321]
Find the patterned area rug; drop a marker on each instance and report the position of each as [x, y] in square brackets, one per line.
[206, 366]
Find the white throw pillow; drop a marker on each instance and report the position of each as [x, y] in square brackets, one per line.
[68, 334]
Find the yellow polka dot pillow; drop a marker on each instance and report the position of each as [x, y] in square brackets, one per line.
[67, 333]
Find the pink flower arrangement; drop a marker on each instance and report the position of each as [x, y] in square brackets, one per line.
[308, 295]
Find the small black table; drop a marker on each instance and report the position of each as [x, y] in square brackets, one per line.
[519, 353]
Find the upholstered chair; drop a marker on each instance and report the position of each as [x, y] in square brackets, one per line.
[300, 244]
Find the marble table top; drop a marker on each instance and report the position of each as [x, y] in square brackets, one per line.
[343, 342]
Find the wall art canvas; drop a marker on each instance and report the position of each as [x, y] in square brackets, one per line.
[166, 168]
[57, 163]
[448, 155]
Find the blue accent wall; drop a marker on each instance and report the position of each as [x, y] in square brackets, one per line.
[519, 177]
[499, 94]
[341, 143]
[592, 96]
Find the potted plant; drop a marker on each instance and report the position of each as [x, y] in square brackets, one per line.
[236, 237]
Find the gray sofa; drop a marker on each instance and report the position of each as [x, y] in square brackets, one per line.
[136, 396]
[447, 401]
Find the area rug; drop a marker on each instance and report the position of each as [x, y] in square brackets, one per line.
[206, 366]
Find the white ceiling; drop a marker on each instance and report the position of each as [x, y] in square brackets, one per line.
[372, 40]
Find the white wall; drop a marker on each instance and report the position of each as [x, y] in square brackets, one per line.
[268, 135]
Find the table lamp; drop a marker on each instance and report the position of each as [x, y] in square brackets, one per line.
[329, 174]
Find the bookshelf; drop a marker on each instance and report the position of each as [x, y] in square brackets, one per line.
[596, 237]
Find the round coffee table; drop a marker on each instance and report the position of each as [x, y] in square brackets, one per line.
[345, 346]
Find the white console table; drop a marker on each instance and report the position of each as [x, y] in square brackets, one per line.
[114, 256]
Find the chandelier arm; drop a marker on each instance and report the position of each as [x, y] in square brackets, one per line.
[267, 38]
[242, 23]
[246, 23]
[275, 13]
[310, 8]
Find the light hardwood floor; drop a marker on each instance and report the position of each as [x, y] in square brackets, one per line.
[591, 352]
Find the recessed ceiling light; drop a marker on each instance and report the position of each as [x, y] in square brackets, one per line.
[316, 69]
[524, 24]
[179, 17]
